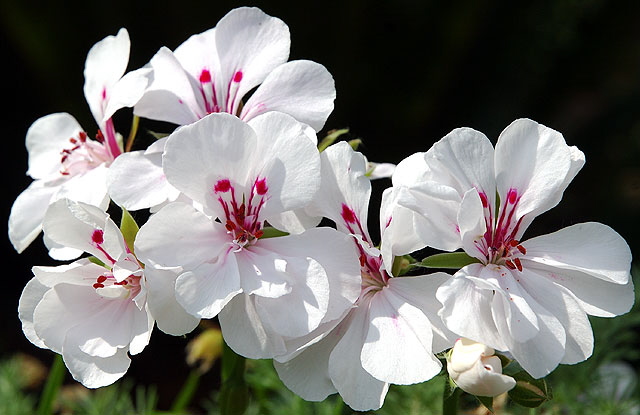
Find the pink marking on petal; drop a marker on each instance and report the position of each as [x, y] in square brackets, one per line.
[261, 186]
[237, 77]
[98, 236]
[104, 93]
[388, 222]
[222, 186]
[205, 76]
[348, 214]
[483, 198]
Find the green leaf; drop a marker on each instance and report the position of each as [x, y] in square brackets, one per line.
[402, 264]
[97, 261]
[330, 138]
[529, 392]
[129, 228]
[52, 386]
[234, 393]
[449, 260]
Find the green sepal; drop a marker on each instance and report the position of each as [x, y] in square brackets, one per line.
[448, 260]
[402, 265]
[331, 138]
[528, 392]
[234, 392]
[157, 135]
[129, 228]
[355, 143]
[271, 232]
[96, 261]
[486, 401]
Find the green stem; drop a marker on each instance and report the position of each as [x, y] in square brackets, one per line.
[234, 393]
[450, 402]
[51, 387]
[186, 393]
[132, 134]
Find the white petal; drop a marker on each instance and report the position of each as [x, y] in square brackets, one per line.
[288, 160]
[170, 317]
[29, 299]
[398, 344]
[244, 332]
[179, 235]
[170, 95]
[467, 308]
[591, 248]
[106, 63]
[89, 187]
[205, 290]
[472, 224]
[198, 155]
[127, 91]
[559, 301]
[535, 161]
[307, 375]
[252, 43]
[358, 388]
[46, 138]
[27, 213]
[303, 89]
[81, 272]
[150, 187]
[294, 221]
[95, 372]
[263, 272]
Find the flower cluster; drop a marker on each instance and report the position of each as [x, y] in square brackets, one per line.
[239, 195]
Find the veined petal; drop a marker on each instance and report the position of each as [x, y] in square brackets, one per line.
[171, 95]
[264, 273]
[536, 162]
[198, 155]
[358, 388]
[205, 290]
[46, 138]
[244, 330]
[288, 160]
[84, 227]
[27, 214]
[106, 63]
[150, 187]
[397, 348]
[472, 224]
[127, 91]
[95, 372]
[170, 316]
[302, 89]
[250, 44]
[590, 248]
[180, 235]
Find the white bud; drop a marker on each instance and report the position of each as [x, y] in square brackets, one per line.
[475, 369]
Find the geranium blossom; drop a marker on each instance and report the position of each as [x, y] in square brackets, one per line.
[528, 297]
[263, 290]
[64, 161]
[391, 334]
[93, 315]
[212, 72]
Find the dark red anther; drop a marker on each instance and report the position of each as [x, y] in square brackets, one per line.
[518, 264]
[205, 76]
[123, 282]
[230, 225]
[98, 236]
[522, 249]
[258, 234]
[241, 213]
[82, 136]
[64, 158]
[101, 279]
[363, 259]
[261, 186]
[100, 137]
[513, 243]
[98, 285]
[73, 140]
[222, 186]
[509, 264]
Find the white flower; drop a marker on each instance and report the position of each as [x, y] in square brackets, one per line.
[92, 315]
[211, 72]
[476, 370]
[528, 297]
[262, 290]
[63, 160]
[392, 332]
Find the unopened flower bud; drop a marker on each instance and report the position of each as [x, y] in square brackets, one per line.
[476, 370]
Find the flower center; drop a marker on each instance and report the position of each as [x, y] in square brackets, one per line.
[242, 218]
[84, 154]
[210, 94]
[499, 244]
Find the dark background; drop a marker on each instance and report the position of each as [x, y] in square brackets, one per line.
[406, 74]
